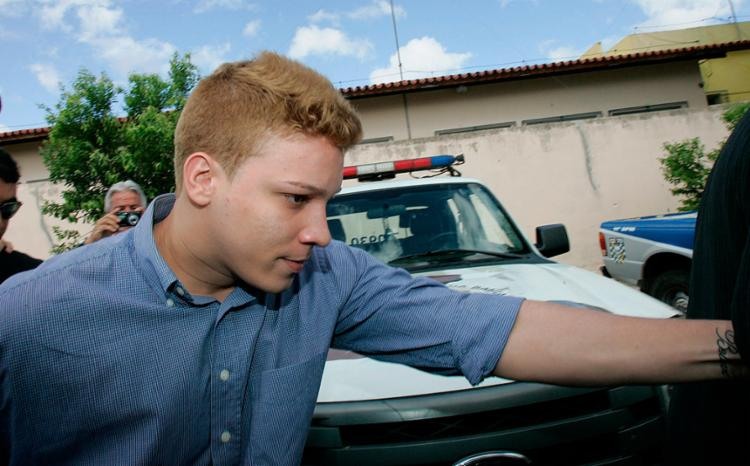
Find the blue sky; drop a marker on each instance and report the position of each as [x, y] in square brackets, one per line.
[44, 43]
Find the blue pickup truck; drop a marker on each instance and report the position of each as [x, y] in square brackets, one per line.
[654, 253]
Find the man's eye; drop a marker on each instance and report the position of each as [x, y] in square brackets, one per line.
[297, 199]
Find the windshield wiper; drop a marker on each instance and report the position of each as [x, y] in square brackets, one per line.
[455, 254]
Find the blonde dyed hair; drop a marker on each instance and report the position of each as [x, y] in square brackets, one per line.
[234, 110]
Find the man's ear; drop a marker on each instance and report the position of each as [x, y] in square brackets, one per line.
[199, 177]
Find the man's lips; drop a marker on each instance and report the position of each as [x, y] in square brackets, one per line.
[295, 265]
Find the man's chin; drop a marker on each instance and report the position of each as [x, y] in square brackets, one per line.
[274, 286]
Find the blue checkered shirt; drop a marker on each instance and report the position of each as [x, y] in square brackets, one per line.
[105, 358]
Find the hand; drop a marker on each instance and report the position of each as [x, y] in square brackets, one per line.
[105, 226]
[6, 246]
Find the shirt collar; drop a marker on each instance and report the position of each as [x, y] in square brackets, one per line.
[148, 258]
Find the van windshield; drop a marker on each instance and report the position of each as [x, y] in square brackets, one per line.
[440, 221]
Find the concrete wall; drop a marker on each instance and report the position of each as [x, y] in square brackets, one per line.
[577, 173]
[29, 230]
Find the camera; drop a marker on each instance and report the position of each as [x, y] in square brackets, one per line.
[128, 219]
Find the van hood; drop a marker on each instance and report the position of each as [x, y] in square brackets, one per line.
[352, 377]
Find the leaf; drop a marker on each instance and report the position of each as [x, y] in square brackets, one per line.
[687, 165]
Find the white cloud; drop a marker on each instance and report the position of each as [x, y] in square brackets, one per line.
[47, 75]
[52, 15]
[127, 55]
[208, 5]
[321, 16]
[97, 20]
[505, 3]
[553, 51]
[53, 12]
[99, 24]
[563, 53]
[12, 8]
[421, 58]
[376, 9]
[208, 57]
[4, 129]
[251, 28]
[677, 14]
[312, 40]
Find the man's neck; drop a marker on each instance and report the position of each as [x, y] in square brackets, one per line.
[187, 256]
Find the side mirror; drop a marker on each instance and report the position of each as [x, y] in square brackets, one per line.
[552, 240]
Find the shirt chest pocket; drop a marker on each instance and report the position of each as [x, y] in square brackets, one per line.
[282, 403]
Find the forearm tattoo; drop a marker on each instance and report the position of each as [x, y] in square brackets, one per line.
[728, 352]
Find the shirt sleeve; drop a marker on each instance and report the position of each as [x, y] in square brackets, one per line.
[392, 316]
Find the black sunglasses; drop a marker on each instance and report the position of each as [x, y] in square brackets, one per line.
[9, 208]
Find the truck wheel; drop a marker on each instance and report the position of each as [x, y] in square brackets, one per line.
[671, 287]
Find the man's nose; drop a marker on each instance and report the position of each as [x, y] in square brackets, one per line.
[316, 231]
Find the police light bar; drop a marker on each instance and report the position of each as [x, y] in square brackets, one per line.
[380, 170]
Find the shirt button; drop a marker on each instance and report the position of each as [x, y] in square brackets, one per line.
[226, 437]
[180, 291]
[170, 302]
[224, 375]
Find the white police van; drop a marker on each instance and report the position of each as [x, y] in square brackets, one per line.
[454, 230]
[653, 252]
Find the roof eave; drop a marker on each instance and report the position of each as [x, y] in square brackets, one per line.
[546, 69]
[24, 135]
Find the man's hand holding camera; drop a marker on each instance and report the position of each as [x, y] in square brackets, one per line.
[112, 223]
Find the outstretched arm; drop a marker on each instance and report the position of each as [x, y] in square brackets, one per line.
[568, 346]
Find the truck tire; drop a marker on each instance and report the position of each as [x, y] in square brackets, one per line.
[671, 286]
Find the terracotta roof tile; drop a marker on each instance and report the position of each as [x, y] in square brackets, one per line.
[544, 69]
[24, 135]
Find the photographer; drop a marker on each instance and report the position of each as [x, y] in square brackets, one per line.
[124, 203]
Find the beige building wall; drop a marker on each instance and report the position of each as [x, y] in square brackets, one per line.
[29, 230]
[516, 101]
[727, 78]
[577, 173]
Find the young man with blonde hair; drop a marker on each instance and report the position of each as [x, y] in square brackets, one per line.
[200, 335]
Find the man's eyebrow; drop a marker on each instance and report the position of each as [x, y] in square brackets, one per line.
[308, 187]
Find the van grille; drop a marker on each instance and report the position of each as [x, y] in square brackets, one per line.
[622, 425]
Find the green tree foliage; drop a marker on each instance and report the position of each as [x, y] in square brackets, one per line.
[687, 164]
[734, 114]
[89, 147]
